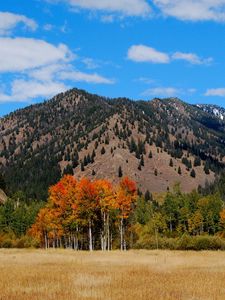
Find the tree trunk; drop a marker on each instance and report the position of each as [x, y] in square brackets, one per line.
[90, 237]
[46, 240]
[104, 233]
[108, 233]
[121, 235]
[171, 225]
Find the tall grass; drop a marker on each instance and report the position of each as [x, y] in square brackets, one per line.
[140, 274]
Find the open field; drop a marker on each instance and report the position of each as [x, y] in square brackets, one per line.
[158, 275]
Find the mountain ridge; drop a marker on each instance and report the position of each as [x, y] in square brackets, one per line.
[157, 142]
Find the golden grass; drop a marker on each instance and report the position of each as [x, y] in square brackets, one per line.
[158, 275]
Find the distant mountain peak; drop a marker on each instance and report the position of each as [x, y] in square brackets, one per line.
[213, 109]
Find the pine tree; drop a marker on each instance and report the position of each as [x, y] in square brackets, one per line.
[120, 172]
[193, 174]
[171, 163]
[132, 146]
[197, 162]
[206, 168]
[88, 159]
[85, 160]
[179, 170]
[2, 183]
[102, 151]
[150, 154]
[148, 196]
[68, 170]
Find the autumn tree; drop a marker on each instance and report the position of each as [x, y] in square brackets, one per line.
[125, 197]
[106, 202]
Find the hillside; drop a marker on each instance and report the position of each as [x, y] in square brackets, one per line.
[156, 143]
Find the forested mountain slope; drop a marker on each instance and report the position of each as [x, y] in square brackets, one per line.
[156, 143]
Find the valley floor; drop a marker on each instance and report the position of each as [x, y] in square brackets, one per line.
[158, 275]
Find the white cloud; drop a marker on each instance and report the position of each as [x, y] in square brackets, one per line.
[142, 53]
[90, 63]
[8, 21]
[185, 10]
[49, 72]
[191, 58]
[219, 92]
[25, 91]
[123, 7]
[77, 76]
[193, 10]
[39, 69]
[162, 92]
[20, 54]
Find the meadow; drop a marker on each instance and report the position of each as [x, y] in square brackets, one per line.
[137, 274]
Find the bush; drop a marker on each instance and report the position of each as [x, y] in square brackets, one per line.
[8, 240]
[186, 242]
[150, 243]
[26, 242]
[6, 243]
[208, 243]
[201, 242]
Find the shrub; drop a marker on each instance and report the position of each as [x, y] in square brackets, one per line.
[186, 242]
[6, 243]
[7, 240]
[208, 243]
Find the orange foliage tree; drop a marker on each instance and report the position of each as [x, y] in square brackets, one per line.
[125, 197]
[77, 208]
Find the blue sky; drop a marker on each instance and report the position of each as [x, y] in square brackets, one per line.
[134, 48]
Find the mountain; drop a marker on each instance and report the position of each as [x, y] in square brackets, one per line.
[214, 110]
[156, 143]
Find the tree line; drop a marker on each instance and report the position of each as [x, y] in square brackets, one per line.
[93, 215]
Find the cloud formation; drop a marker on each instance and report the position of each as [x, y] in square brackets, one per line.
[26, 90]
[162, 92]
[219, 92]
[142, 53]
[122, 7]
[43, 69]
[8, 21]
[192, 58]
[193, 10]
[19, 54]
[77, 76]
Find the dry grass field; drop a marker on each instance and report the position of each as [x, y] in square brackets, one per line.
[158, 275]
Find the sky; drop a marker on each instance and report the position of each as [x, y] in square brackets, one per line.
[138, 49]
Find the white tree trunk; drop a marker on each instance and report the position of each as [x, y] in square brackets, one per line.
[121, 235]
[90, 237]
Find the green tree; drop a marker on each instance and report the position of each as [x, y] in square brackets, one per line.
[193, 174]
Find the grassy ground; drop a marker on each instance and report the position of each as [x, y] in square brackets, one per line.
[158, 275]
